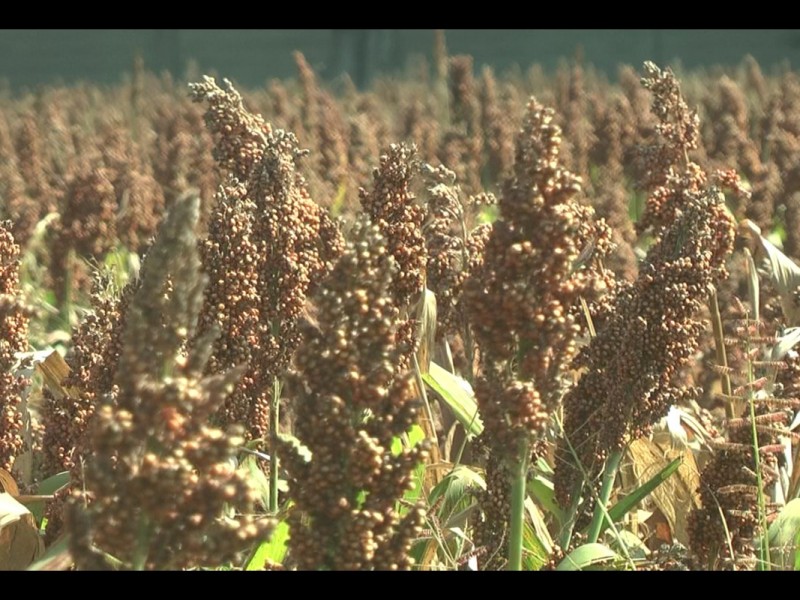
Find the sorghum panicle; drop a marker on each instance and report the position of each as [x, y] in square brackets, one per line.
[520, 300]
[160, 476]
[392, 206]
[13, 339]
[652, 331]
[352, 401]
[521, 303]
[268, 244]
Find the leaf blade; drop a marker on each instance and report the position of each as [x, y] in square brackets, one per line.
[621, 508]
[588, 555]
[458, 395]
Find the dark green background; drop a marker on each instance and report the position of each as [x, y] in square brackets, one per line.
[252, 56]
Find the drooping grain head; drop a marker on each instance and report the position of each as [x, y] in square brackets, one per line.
[664, 166]
[651, 331]
[240, 134]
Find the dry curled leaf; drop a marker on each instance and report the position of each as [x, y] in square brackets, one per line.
[7, 483]
[54, 370]
[20, 543]
[677, 495]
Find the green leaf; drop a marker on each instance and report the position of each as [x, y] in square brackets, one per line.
[630, 542]
[797, 554]
[542, 490]
[536, 541]
[257, 478]
[56, 558]
[415, 435]
[621, 508]
[47, 487]
[786, 342]
[454, 494]
[587, 556]
[413, 494]
[412, 437]
[457, 393]
[785, 274]
[272, 551]
[783, 534]
[454, 488]
[338, 200]
[543, 466]
[488, 214]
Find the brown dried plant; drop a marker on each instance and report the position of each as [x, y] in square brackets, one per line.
[724, 530]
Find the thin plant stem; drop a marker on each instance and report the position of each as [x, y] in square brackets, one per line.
[518, 483]
[722, 357]
[429, 429]
[601, 505]
[139, 559]
[572, 516]
[600, 512]
[426, 423]
[66, 306]
[274, 420]
[762, 510]
[764, 565]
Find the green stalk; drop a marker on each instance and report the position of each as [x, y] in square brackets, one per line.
[753, 290]
[274, 419]
[518, 483]
[142, 550]
[600, 512]
[764, 565]
[722, 357]
[66, 307]
[572, 517]
[576, 499]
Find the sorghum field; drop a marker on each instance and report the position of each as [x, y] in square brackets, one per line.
[458, 321]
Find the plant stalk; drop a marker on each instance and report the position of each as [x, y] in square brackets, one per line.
[600, 512]
[66, 306]
[764, 564]
[142, 550]
[722, 358]
[274, 419]
[518, 483]
[572, 516]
